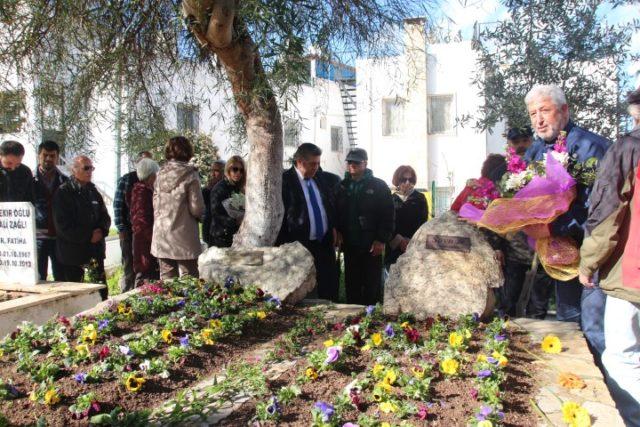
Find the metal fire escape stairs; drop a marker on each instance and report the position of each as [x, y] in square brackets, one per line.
[348, 94]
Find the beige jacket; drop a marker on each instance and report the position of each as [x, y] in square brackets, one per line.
[177, 208]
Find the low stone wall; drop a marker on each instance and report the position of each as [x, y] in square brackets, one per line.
[41, 302]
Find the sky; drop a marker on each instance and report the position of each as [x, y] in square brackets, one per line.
[462, 14]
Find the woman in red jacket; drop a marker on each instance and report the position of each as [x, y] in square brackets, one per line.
[145, 265]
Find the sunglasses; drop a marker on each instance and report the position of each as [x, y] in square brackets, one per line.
[88, 168]
[354, 162]
[236, 169]
[406, 179]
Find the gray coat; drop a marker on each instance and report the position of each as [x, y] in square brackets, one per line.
[177, 207]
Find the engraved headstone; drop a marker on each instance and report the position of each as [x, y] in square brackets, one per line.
[449, 268]
[18, 256]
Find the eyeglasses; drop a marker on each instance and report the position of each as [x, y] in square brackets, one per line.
[88, 168]
[354, 162]
[406, 179]
[236, 169]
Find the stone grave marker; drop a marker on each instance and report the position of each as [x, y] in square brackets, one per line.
[18, 256]
[449, 268]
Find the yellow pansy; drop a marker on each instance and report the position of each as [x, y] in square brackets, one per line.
[134, 382]
[215, 324]
[378, 369]
[311, 373]
[385, 424]
[261, 315]
[390, 377]
[90, 336]
[455, 339]
[1, 352]
[328, 343]
[384, 386]
[450, 366]
[167, 336]
[481, 358]
[467, 334]
[418, 372]
[551, 344]
[485, 423]
[388, 407]
[51, 397]
[376, 339]
[404, 325]
[207, 336]
[575, 415]
[122, 308]
[83, 350]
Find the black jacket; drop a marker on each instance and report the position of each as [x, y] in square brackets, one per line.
[44, 201]
[16, 185]
[367, 216]
[410, 215]
[77, 211]
[295, 223]
[223, 227]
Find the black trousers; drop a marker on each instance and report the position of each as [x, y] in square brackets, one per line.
[75, 273]
[514, 276]
[324, 259]
[46, 251]
[363, 276]
[128, 279]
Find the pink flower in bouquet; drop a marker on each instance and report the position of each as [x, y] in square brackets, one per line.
[515, 164]
[561, 143]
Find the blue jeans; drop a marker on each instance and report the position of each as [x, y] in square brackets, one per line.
[568, 296]
[593, 303]
[46, 250]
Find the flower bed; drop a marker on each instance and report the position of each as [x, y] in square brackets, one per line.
[134, 355]
[119, 367]
[376, 371]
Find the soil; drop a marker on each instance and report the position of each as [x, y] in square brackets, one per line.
[8, 295]
[451, 403]
[201, 363]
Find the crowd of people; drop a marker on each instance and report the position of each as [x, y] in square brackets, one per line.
[158, 211]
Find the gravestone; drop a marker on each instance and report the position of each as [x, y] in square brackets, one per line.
[449, 268]
[18, 256]
[286, 271]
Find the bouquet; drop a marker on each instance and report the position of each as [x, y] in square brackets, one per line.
[533, 196]
[234, 205]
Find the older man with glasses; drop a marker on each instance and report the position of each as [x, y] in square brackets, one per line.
[82, 222]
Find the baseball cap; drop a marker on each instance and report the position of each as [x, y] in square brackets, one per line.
[357, 155]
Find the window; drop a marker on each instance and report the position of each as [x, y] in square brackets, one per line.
[441, 114]
[291, 133]
[393, 116]
[187, 117]
[336, 139]
[11, 111]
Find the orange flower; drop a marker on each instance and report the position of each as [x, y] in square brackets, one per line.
[571, 381]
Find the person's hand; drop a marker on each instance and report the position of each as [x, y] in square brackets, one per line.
[587, 281]
[403, 245]
[97, 235]
[376, 248]
[337, 238]
[499, 257]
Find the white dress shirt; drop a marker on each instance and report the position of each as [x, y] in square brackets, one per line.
[312, 219]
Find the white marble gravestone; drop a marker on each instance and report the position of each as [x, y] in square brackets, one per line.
[18, 253]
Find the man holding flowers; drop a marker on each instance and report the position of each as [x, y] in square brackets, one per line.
[549, 113]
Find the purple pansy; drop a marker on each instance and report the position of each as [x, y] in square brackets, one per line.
[326, 409]
[184, 341]
[333, 354]
[484, 373]
[103, 324]
[485, 411]
[388, 330]
[369, 309]
[80, 377]
[499, 337]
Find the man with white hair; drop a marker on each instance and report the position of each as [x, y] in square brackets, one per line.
[82, 222]
[549, 114]
[611, 250]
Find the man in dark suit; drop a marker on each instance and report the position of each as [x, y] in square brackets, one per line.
[308, 194]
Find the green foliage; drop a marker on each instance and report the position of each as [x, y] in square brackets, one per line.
[554, 41]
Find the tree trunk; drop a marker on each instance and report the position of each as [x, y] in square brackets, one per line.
[227, 37]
